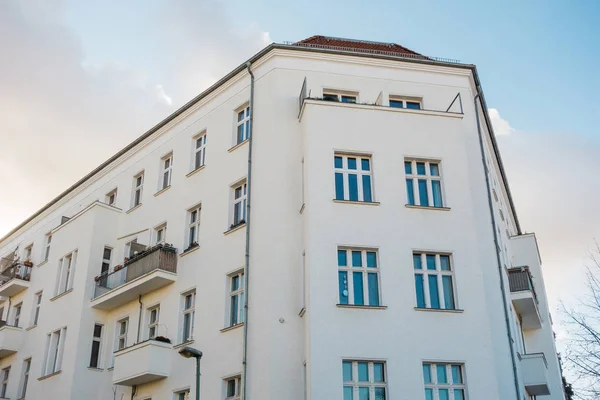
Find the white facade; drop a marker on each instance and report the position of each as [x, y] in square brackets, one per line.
[303, 341]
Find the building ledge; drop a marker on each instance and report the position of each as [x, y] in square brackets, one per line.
[161, 191]
[41, 378]
[188, 251]
[200, 168]
[58, 296]
[42, 263]
[237, 146]
[235, 228]
[181, 345]
[364, 203]
[31, 327]
[232, 327]
[132, 209]
[428, 207]
[453, 310]
[361, 307]
[96, 369]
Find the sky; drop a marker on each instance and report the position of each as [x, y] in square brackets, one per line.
[80, 80]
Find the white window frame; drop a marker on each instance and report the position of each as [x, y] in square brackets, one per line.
[153, 325]
[198, 151]
[370, 383]
[238, 204]
[428, 177]
[5, 378]
[166, 171]
[236, 316]
[35, 315]
[17, 317]
[47, 246]
[359, 172]
[111, 198]
[404, 100]
[138, 189]
[97, 339]
[28, 253]
[106, 261]
[342, 96]
[55, 344]
[160, 233]
[237, 381]
[450, 385]
[242, 124]
[439, 274]
[188, 312]
[66, 273]
[121, 337]
[184, 392]
[364, 270]
[24, 378]
[192, 233]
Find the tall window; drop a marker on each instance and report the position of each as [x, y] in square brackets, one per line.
[65, 273]
[236, 298]
[193, 231]
[434, 280]
[239, 204]
[111, 198]
[188, 314]
[358, 276]
[96, 343]
[47, 248]
[153, 316]
[122, 328]
[232, 388]
[423, 183]
[17, 317]
[160, 233]
[5, 374]
[106, 258]
[28, 252]
[364, 380]
[353, 178]
[54, 350]
[243, 124]
[199, 150]
[167, 169]
[183, 395]
[138, 186]
[444, 381]
[399, 102]
[36, 308]
[25, 378]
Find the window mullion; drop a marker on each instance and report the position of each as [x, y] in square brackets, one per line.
[350, 278]
[359, 185]
[425, 280]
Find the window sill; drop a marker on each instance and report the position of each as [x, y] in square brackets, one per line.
[31, 327]
[132, 209]
[366, 203]
[232, 327]
[454, 310]
[188, 251]
[96, 369]
[362, 307]
[235, 228]
[161, 191]
[200, 168]
[58, 296]
[42, 263]
[237, 146]
[428, 207]
[180, 345]
[41, 378]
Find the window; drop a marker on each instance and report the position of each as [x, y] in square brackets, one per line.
[28, 251]
[358, 276]
[5, 374]
[243, 125]
[239, 204]
[444, 381]
[25, 378]
[17, 317]
[232, 388]
[188, 311]
[153, 316]
[193, 231]
[105, 268]
[182, 395]
[199, 151]
[353, 178]
[138, 186]
[122, 328]
[236, 298]
[399, 102]
[47, 249]
[36, 309]
[96, 343]
[434, 280]
[64, 281]
[111, 198]
[160, 233]
[343, 97]
[167, 168]
[364, 380]
[55, 343]
[423, 183]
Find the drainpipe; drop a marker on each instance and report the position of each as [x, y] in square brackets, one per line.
[139, 319]
[248, 211]
[502, 287]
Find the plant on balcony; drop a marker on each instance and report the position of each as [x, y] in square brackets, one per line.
[118, 267]
[192, 246]
[240, 222]
[28, 263]
[27, 277]
[162, 339]
[18, 276]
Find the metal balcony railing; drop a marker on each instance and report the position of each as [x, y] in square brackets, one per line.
[520, 280]
[160, 257]
[17, 270]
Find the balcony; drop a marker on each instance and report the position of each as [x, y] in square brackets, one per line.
[10, 339]
[524, 298]
[534, 370]
[148, 271]
[142, 363]
[14, 279]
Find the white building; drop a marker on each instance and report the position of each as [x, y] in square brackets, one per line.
[385, 258]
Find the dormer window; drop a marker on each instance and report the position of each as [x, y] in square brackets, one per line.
[405, 102]
[340, 96]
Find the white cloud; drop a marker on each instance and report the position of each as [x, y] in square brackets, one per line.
[162, 96]
[501, 126]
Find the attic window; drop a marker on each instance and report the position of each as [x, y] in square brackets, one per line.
[413, 103]
[341, 97]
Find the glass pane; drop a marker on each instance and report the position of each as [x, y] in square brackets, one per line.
[434, 169]
[445, 262]
[443, 394]
[348, 393]
[357, 278]
[97, 330]
[423, 196]
[357, 258]
[379, 393]
[353, 186]
[442, 376]
[428, 394]
[448, 292]
[421, 168]
[339, 186]
[351, 163]
[373, 289]
[427, 373]
[408, 167]
[233, 315]
[337, 162]
[106, 255]
[410, 192]
[347, 371]
[431, 262]
[342, 258]
[365, 164]
[343, 286]
[417, 261]
[437, 193]
[378, 375]
[240, 133]
[413, 105]
[363, 372]
[371, 259]
[235, 283]
[241, 115]
[456, 374]
[366, 181]
[420, 290]
[434, 297]
[348, 99]
[396, 103]
[459, 394]
[230, 388]
[363, 393]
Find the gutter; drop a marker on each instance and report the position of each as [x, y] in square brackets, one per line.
[499, 262]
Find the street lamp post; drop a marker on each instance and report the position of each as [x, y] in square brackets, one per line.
[189, 352]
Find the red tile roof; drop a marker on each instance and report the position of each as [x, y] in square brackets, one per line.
[363, 46]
